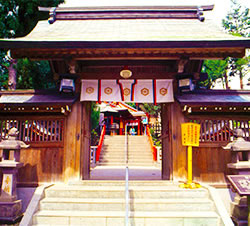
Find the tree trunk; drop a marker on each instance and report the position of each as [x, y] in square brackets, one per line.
[226, 81]
[12, 75]
[241, 80]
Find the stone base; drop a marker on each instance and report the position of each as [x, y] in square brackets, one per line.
[10, 212]
[15, 222]
[239, 210]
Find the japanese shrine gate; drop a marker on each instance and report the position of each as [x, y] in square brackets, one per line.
[154, 44]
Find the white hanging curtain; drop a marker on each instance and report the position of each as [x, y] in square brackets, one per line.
[131, 90]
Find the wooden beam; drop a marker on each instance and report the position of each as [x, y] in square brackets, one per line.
[129, 53]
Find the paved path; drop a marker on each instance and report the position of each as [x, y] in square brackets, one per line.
[118, 173]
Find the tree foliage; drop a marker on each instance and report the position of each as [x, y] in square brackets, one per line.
[151, 109]
[34, 74]
[215, 69]
[237, 22]
[95, 115]
[18, 18]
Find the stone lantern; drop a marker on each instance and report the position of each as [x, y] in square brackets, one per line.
[240, 154]
[10, 206]
[240, 165]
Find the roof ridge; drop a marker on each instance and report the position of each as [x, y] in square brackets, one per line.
[128, 12]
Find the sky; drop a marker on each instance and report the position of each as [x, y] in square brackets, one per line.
[220, 9]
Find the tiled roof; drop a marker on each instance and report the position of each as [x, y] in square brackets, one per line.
[27, 99]
[213, 97]
[127, 30]
[92, 32]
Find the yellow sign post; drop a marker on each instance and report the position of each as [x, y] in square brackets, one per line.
[190, 133]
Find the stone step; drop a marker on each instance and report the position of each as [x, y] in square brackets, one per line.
[141, 160]
[130, 160]
[123, 164]
[121, 144]
[130, 163]
[118, 204]
[119, 152]
[115, 149]
[111, 218]
[110, 156]
[110, 153]
[139, 153]
[152, 192]
[140, 139]
[111, 164]
[132, 183]
[118, 155]
[112, 161]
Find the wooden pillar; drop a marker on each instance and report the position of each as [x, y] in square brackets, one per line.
[167, 152]
[72, 145]
[85, 140]
[12, 74]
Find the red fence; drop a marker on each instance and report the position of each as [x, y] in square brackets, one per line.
[99, 147]
[153, 148]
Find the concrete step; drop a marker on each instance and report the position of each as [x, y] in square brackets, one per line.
[108, 153]
[111, 161]
[132, 183]
[130, 148]
[130, 160]
[130, 152]
[102, 203]
[111, 164]
[123, 164]
[113, 149]
[152, 192]
[108, 204]
[136, 155]
[111, 218]
[139, 148]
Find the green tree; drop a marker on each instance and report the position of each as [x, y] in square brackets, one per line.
[4, 64]
[95, 115]
[237, 22]
[18, 18]
[215, 69]
[151, 109]
[34, 74]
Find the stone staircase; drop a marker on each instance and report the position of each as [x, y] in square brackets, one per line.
[139, 151]
[102, 203]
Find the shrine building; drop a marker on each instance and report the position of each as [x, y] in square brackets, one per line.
[141, 54]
